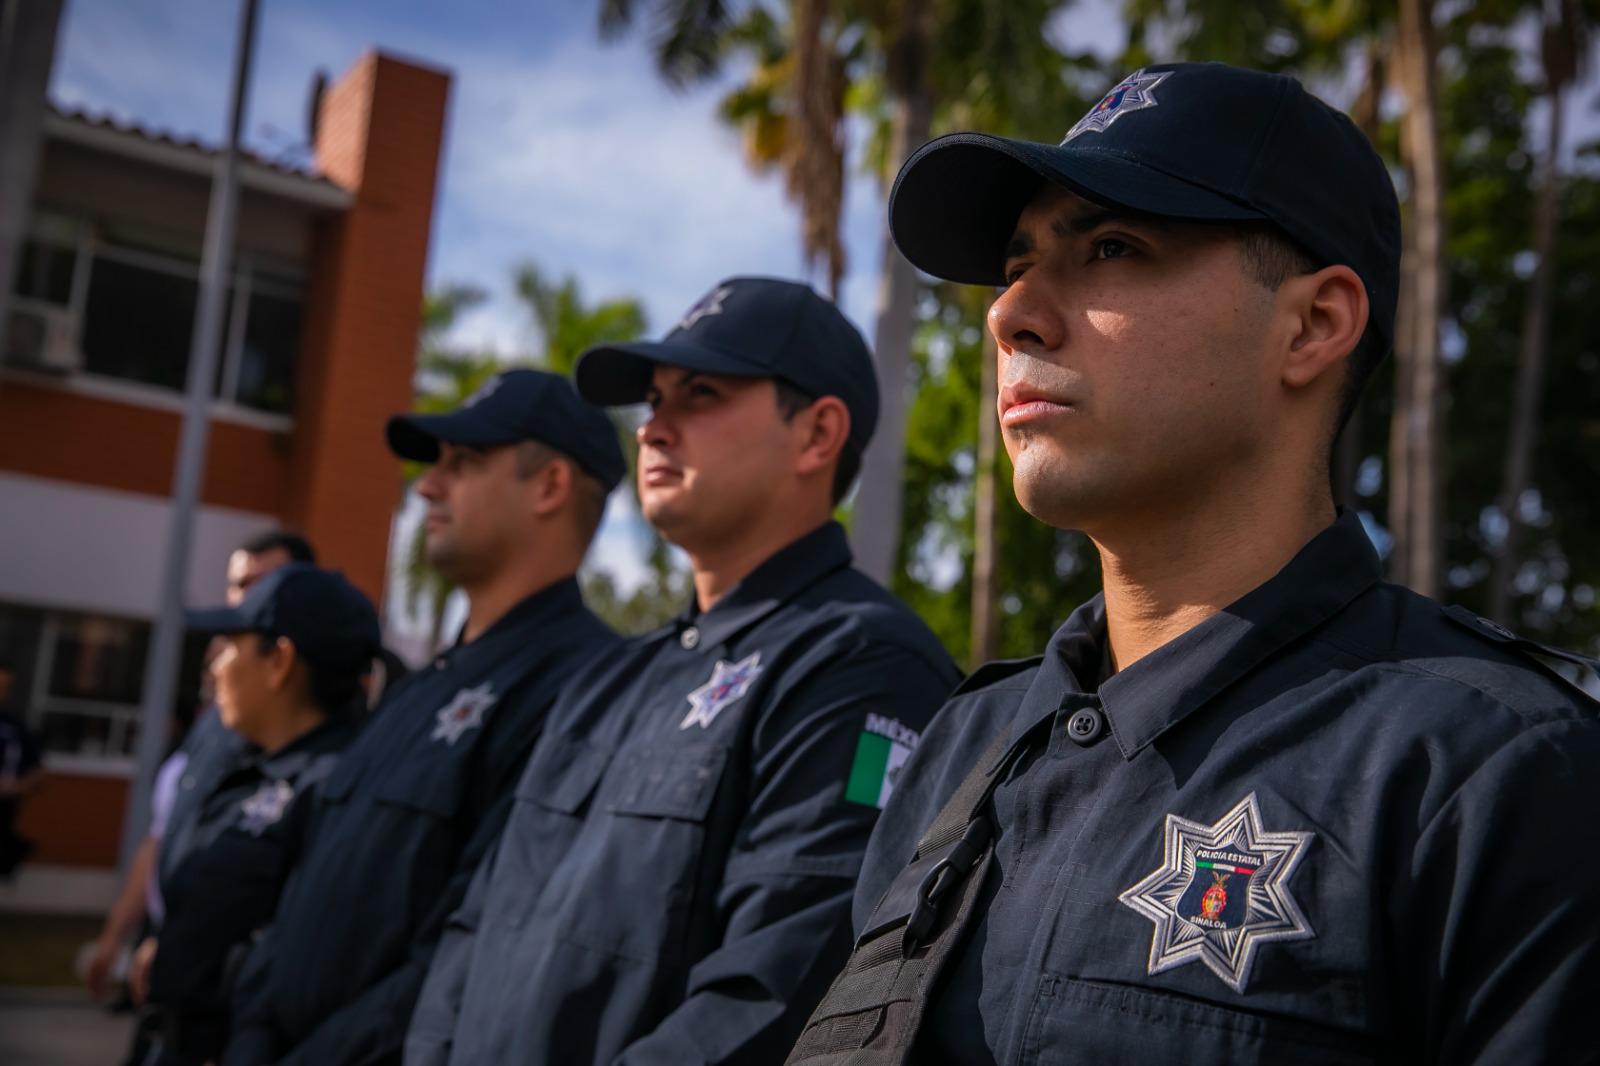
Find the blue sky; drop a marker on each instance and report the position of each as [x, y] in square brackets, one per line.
[559, 149]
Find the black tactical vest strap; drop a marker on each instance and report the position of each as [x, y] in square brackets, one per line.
[871, 1015]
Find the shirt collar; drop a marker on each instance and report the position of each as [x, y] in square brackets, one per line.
[784, 575]
[550, 604]
[1177, 679]
[288, 761]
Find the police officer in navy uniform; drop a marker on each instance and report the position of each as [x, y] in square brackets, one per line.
[518, 485]
[288, 680]
[674, 883]
[1252, 804]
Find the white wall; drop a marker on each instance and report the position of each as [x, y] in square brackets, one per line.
[77, 547]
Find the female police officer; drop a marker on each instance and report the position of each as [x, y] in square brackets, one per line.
[288, 680]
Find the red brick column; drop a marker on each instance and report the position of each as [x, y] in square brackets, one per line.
[379, 133]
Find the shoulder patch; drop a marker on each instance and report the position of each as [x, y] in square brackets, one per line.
[993, 673]
[1580, 674]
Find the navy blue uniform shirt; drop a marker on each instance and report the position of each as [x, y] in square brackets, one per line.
[214, 751]
[1334, 823]
[397, 830]
[228, 884]
[674, 883]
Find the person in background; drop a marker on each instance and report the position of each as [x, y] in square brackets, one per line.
[20, 774]
[288, 679]
[208, 752]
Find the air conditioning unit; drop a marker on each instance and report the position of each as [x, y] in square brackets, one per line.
[41, 337]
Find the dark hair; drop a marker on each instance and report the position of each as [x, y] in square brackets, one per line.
[333, 690]
[1273, 257]
[791, 401]
[298, 548]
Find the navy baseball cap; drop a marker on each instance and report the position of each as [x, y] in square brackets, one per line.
[749, 327]
[514, 406]
[1199, 141]
[329, 620]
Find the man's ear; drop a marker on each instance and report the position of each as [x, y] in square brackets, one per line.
[824, 429]
[552, 486]
[1331, 310]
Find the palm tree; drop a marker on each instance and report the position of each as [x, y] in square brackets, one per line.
[1563, 42]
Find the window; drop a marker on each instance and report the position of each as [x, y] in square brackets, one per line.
[128, 306]
[44, 272]
[79, 677]
[138, 322]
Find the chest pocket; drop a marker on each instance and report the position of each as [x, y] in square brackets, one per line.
[562, 774]
[423, 785]
[668, 781]
[1114, 1023]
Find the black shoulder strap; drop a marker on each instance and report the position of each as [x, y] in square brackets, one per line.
[873, 1011]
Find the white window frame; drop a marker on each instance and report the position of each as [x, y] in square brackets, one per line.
[84, 238]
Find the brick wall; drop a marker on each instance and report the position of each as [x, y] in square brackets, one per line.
[379, 135]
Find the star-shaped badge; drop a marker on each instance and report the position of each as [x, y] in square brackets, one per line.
[709, 304]
[265, 806]
[729, 682]
[1221, 892]
[464, 711]
[1134, 93]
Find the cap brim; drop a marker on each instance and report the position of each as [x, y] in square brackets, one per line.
[955, 203]
[621, 373]
[217, 620]
[417, 437]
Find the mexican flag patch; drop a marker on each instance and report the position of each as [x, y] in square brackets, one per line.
[884, 747]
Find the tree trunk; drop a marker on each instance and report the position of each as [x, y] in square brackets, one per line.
[1529, 388]
[985, 546]
[876, 528]
[1347, 449]
[1416, 496]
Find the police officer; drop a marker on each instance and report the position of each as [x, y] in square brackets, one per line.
[208, 752]
[674, 883]
[518, 484]
[1252, 805]
[288, 680]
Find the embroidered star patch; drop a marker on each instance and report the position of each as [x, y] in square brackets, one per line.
[1134, 93]
[483, 392]
[265, 806]
[1221, 892]
[729, 682]
[464, 711]
[709, 304]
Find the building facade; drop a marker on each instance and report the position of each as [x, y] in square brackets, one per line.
[320, 338]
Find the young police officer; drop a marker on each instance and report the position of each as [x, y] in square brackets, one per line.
[674, 883]
[1252, 805]
[288, 681]
[519, 481]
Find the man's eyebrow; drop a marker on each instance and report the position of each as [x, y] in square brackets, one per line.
[1077, 225]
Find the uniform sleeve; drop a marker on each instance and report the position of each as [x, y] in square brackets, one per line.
[1506, 885]
[252, 1039]
[784, 902]
[372, 1027]
[433, 1022]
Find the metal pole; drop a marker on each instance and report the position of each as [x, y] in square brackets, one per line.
[166, 647]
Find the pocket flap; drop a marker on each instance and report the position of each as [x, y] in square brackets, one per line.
[562, 773]
[669, 780]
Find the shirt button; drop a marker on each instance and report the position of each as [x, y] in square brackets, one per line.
[439, 663]
[1086, 726]
[690, 638]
